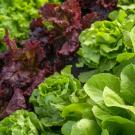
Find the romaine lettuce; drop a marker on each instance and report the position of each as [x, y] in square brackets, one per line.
[114, 101]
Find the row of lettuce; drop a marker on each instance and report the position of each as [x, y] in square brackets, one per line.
[103, 106]
[105, 103]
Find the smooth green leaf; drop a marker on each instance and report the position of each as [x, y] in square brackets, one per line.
[85, 127]
[119, 126]
[96, 84]
[67, 127]
[112, 99]
[128, 83]
[77, 111]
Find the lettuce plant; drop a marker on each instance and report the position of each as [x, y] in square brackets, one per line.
[21, 122]
[114, 101]
[108, 43]
[15, 15]
[56, 92]
[101, 41]
[107, 46]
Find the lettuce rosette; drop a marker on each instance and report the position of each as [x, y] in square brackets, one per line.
[56, 92]
[21, 122]
[107, 43]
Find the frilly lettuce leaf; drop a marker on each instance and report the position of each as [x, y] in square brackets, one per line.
[126, 4]
[16, 15]
[21, 122]
[102, 40]
[106, 41]
[56, 92]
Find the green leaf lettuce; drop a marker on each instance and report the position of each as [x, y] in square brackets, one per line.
[21, 122]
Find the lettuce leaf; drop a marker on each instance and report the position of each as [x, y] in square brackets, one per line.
[81, 127]
[76, 111]
[108, 43]
[127, 83]
[114, 101]
[21, 122]
[118, 125]
[85, 127]
[16, 15]
[56, 92]
[102, 40]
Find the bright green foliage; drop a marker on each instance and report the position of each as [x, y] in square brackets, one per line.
[104, 41]
[56, 92]
[60, 101]
[108, 43]
[81, 127]
[105, 107]
[16, 15]
[114, 101]
[103, 38]
[21, 122]
[85, 127]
